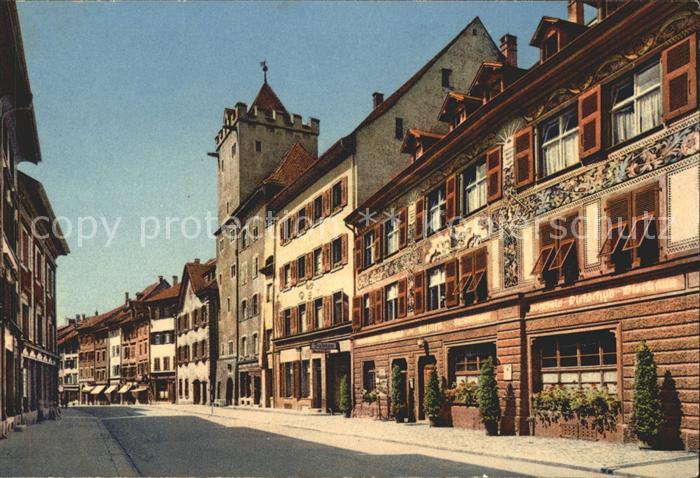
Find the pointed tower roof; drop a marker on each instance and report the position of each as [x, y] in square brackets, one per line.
[268, 100]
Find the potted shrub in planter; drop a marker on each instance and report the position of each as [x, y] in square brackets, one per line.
[647, 415]
[345, 404]
[398, 394]
[433, 399]
[487, 397]
[463, 407]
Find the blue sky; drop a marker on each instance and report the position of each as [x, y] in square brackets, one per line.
[128, 98]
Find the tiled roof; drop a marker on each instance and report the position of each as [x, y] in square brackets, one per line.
[66, 333]
[97, 320]
[295, 161]
[268, 100]
[170, 293]
[197, 272]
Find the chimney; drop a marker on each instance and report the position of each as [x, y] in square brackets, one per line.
[126, 297]
[77, 317]
[160, 278]
[377, 99]
[575, 10]
[83, 316]
[509, 48]
[196, 260]
[174, 280]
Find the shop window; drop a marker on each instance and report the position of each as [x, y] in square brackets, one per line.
[391, 303]
[587, 359]
[474, 181]
[559, 143]
[465, 362]
[436, 288]
[632, 238]
[558, 257]
[436, 210]
[288, 379]
[636, 104]
[305, 383]
[368, 379]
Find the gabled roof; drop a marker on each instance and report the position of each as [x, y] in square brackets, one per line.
[66, 333]
[99, 320]
[454, 98]
[489, 68]
[573, 29]
[295, 161]
[268, 100]
[396, 96]
[415, 136]
[201, 277]
[165, 294]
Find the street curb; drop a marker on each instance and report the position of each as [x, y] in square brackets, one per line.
[612, 470]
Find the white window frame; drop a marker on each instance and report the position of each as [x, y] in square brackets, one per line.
[391, 304]
[477, 184]
[391, 237]
[634, 100]
[436, 211]
[558, 143]
[436, 285]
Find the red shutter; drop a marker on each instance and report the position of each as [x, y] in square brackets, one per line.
[420, 206]
[309, 214]
[403, 228]
[293, 273]
[326, 257]
[494, 173]
[308, 263]
[377, 245]
[589, 128]
[297, 379]
[327, 313]
[451, 295]
[680, 87]
[524, 159]
[450, 198]
[402, 297]
[419, 302]
[358, 252]
[282, 391]
[280, 324]
[310, 312]
[281, 273]
[378, 305]
[327, 203]
[344, 249]
[344, 191]
[356, 313]
[466, 273]
[346, 308]
[295, 321]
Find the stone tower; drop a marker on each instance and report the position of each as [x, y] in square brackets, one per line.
[251, 143]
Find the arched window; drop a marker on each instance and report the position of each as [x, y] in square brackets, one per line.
[254, 345]
[243, 351]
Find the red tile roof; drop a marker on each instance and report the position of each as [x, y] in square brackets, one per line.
[268, 100]
[170, 293]
[197, 274]
[295, 161]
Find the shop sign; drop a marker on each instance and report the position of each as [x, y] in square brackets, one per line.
[324, 347]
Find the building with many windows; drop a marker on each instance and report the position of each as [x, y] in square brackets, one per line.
[162, 308]
[67, 347]
[547, 228]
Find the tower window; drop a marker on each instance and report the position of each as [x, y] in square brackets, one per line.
[398, 129]
[446, 73]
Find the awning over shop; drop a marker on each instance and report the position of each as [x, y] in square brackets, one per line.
[142, 388]
[86, 389]
[97, 390]
[110, 389]
[125, 388]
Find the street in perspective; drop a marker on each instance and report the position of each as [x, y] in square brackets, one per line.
[226, 251]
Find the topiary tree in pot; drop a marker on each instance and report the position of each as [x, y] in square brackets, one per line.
[345, 404]
[647, 414]
[487, 397]
[433, 399]
[398, 394]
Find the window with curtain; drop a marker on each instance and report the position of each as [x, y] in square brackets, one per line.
[474, 181]
[436, 210]
[391, 304]
[368, 248]
[436, 288]
[391, 237]
[636, 104]
[559, 143]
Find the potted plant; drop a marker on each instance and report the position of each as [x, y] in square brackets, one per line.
[487, 397]
[433, 399]
[463, 407]
[647, 415]
[345, 404]
[398, 394]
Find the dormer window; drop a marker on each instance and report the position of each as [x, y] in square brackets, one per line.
[550, 46]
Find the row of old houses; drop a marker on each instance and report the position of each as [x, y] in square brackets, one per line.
[32, 242]
[545, 217]
[424, 239]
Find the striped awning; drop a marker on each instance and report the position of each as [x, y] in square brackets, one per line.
[86, 389]
[142, 388]
[97, 390]
[110, 389]
[125, 388]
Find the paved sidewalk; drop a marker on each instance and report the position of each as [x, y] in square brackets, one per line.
[601, 457]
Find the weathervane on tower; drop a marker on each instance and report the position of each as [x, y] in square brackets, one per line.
[264, 69]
